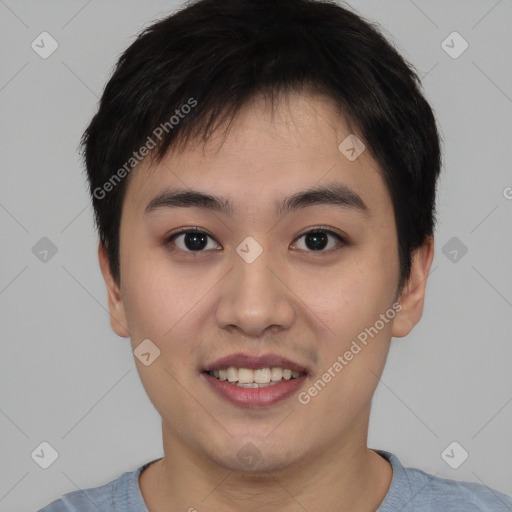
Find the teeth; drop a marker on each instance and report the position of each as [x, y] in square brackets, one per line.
[276, 374]
[232, 374]
[247, 377]
[262, 375]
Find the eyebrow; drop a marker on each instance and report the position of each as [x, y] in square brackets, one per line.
[334, 194]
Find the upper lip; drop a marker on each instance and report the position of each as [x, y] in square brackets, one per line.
[241, 360]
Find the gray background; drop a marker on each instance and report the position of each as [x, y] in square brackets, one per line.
[67, 379]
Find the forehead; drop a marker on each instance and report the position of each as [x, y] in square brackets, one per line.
[267, 155]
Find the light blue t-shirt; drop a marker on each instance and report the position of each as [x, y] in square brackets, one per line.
[411, 490]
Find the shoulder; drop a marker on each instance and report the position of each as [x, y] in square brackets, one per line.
[422, 492]
[119, 495]
[85, 500]
[460, 495]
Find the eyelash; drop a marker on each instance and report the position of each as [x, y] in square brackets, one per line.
[173, 236]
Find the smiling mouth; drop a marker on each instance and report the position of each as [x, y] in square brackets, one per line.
[258, 378]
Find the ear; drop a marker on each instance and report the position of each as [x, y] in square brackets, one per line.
[413, 295]
[115, 301]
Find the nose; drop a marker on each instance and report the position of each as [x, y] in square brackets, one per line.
[255, 297]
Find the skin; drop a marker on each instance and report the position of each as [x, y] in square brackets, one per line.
[306, 305]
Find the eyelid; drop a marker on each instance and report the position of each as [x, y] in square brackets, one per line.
[326, 229]
[188, 229]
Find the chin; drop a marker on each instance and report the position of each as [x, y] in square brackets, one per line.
[256, 455]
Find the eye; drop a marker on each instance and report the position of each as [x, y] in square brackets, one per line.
[194, 240]
[318, 238]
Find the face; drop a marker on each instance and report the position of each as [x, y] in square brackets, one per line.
[301, 285]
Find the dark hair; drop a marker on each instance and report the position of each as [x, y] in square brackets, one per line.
[213, 56]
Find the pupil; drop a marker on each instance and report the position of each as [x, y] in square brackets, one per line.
[319, 240]
[195, 241]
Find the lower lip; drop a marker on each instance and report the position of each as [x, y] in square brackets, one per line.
[255, 397]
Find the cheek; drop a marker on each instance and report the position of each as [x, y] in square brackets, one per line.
[347, 297]
[154, 294]
[169, 309]
[154, 305]
[349, 301]
[158, 312]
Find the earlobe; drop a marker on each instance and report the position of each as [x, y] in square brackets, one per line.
[115, 301]
[413, 295]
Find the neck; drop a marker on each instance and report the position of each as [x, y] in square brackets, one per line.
[348, 476]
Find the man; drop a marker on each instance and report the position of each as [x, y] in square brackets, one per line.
[263, 175]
